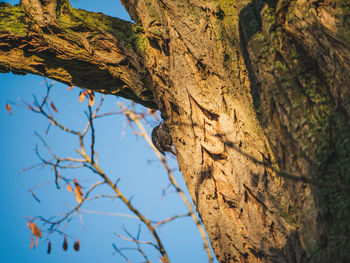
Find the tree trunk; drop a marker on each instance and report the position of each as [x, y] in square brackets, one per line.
[256, 95]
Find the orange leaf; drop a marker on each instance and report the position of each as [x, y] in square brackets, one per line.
[31, 241]
[76, 245]
[78, 194]
[35, 229]
[91, 98]
[49, 248]
[8, 108]
[77, 185]
[70, 88]
[36, 242]
[77, 191]
[65, 244]
[69, 188]
[53, 107]
[82, 96]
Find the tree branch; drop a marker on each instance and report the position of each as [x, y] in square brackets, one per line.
[85, 49]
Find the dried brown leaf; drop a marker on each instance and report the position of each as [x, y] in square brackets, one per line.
[31, 241]
[91, 98]
[69, 188]
[77, 191]
[78, 186]
[65, 244]
[49, 248]
[8, 108]
[54, 107]
[76, 245]
[36, 242]
[82, 96]
[35, 229]
[78, 194]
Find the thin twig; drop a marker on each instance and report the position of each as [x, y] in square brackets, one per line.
[137, 241]
[55, 156]
[120, 252]
[170, 219]
[76, 208]
[97, 169]
[108, 213]
[154, 233]
[92, 146]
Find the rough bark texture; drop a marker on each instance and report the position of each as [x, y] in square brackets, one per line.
[76, 47]
[256, 95]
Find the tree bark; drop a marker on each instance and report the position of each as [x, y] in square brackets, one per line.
[256, 95]
[76, 47]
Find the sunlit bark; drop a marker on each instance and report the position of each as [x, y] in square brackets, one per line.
[256, 95]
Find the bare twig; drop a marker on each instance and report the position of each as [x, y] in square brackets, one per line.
[119, 251]
[39, 108]
[137, 241]
[108, 213]
[88, 160]
[170, 219]
[92, 146]
[137, 238]
[159, 246]
[55, 156]
[72, 211]
[97, 169]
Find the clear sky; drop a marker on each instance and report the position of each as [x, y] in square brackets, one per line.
[126, 157]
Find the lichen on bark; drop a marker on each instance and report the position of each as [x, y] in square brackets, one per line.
[13, 19]
[298, 96]
[76, 47]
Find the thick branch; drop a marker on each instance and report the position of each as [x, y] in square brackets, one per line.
[76, 47]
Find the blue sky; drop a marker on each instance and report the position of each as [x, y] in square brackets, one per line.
[128, 158]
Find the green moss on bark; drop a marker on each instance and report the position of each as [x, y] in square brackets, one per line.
[12, 19]
[126, 32]
[320, 129]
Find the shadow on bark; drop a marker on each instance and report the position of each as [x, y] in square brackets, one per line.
[292, 252]
[249, 24]
[326, 135]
